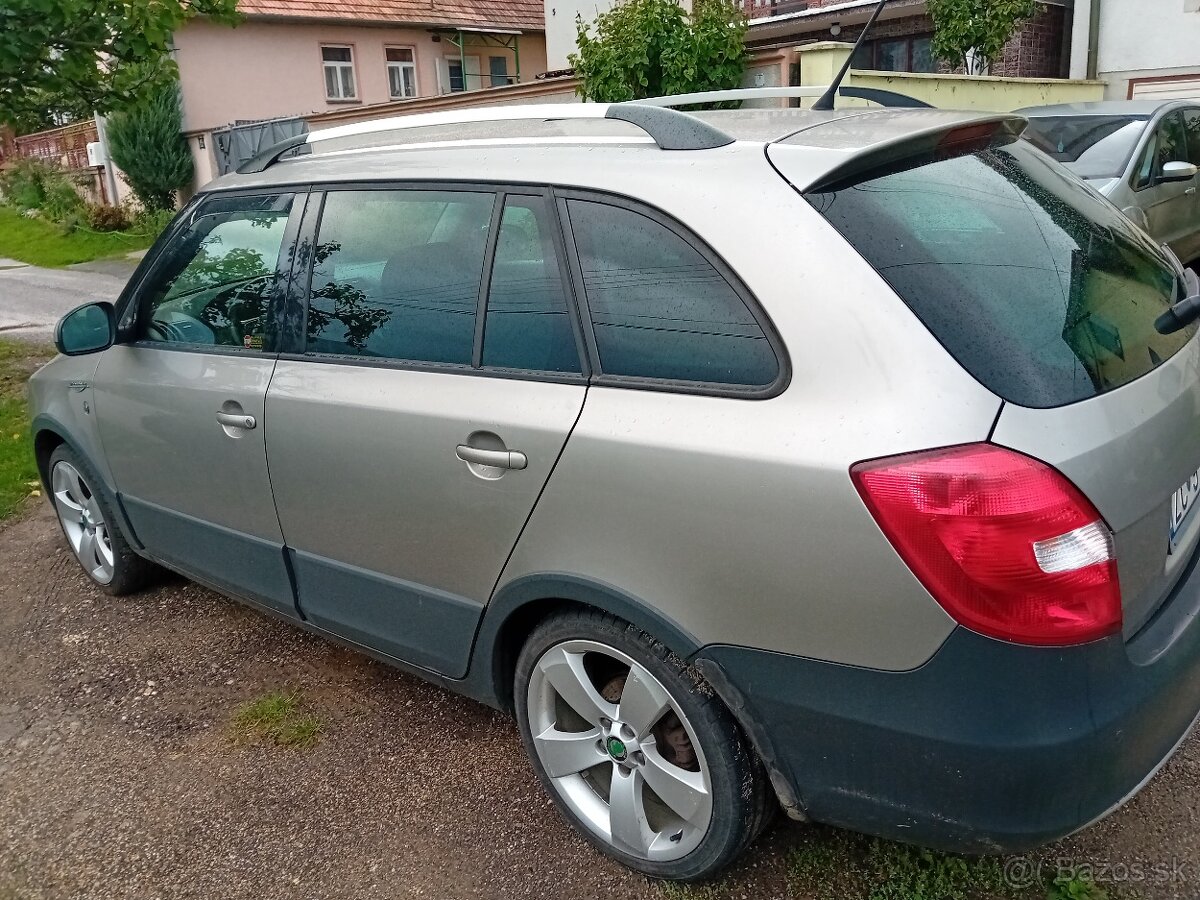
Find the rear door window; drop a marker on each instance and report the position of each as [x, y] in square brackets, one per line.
[1045, 292]
[659, 309]
[397, 274]
[528, 324]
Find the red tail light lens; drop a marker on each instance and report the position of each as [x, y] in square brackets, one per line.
[1006, 544]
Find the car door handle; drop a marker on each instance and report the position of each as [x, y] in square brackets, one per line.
[1191, 191]
[236, 420]
[500, 459]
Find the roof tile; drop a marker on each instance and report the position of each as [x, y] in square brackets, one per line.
[522, 14]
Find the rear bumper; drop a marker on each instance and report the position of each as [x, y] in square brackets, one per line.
[989, 747]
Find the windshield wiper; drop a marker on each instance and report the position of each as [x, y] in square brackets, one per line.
[1186, 311]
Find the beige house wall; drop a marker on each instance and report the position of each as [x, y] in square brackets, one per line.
[271, 69]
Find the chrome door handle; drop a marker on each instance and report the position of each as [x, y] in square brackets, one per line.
[1191, 190]
[499, 459]
[236, 420]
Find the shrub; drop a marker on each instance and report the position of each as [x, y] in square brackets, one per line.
[146, 141]
[647, 48]
[151, 221]
[22, 184]
[101, 217]
[62, 202]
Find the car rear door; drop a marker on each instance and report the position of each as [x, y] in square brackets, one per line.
[180, 402]
[408, 443]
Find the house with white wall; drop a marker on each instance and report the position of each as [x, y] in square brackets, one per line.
[1142, 48]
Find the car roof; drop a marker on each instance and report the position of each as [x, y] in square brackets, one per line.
[489, 151]
[1105, 108]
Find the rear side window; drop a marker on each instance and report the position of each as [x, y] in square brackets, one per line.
[215, 282]
[1039, 288]
[659, 309]
[528, 325]
[397, 274]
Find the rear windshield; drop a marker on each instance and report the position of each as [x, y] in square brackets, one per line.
[1041, 289]
[1090, 146]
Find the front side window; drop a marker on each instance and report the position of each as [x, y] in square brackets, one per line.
[402, 73]
[1192, 124]
[338, 63]
[397, 274]
[1167, 145]
[214, 283]
[659, 309]
[528, 325]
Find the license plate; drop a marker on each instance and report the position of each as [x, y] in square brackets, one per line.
[1183, 502]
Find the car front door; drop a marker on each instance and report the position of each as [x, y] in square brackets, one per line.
[407, 442]
[1170, 206]
[180, 401]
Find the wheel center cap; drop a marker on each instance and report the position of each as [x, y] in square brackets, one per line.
[617, 749]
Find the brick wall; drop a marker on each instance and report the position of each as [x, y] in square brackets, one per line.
[1035, 51]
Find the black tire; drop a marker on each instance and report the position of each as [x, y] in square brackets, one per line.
[742, 800]
[131, 572]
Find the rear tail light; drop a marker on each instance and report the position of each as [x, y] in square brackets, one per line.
[1006, 544]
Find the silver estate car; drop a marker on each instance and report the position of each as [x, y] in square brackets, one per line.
[841, 462]
[1140, 154]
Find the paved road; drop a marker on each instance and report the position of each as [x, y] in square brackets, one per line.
[33, 299]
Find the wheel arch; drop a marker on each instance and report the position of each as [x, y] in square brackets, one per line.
[518, 607]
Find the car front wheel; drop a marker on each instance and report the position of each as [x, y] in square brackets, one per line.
[90, 528]
[637, 751]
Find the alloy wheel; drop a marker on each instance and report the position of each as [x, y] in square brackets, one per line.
[619, 750]
[82, 522]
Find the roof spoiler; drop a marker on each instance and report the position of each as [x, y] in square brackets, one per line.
[921, 147]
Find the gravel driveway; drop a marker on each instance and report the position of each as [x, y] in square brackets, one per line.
[118, 777]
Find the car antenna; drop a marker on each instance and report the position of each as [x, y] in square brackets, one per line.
[825, 101]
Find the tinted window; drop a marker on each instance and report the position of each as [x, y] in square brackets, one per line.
[659, 309]
[1192, 124]
[528, 326]
[397, 274]
[1042, 290]
[216, 280]
[1091, 146]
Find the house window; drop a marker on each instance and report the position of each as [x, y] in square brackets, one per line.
[339, 73]
[498, 69]
[402, 72]
[901, 54]
[458, 76]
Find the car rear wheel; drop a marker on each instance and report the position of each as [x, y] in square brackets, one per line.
[637, 751]
[90, 528]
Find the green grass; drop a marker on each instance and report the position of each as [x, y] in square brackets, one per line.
[42, 243]
[278, 718]
[18, 474]
[834, 865]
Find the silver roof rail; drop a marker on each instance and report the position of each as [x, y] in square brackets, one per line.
[670, 129]
[875, 95]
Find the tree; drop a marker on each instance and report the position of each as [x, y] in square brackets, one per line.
[972, 33]
[649, 48]
[147, 144]
[89, 54]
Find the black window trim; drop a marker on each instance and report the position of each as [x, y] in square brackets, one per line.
[130, 304]
[296, 350]
[783, 370]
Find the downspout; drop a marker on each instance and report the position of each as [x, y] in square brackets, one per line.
[1093, 54]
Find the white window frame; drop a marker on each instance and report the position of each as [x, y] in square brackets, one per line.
[401, 66]
[338, 66]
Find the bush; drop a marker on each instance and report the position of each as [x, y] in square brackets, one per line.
[22, 185]
[650, 48]
[146, 141]
[152, 221]
[62, 202]
[101, 217]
